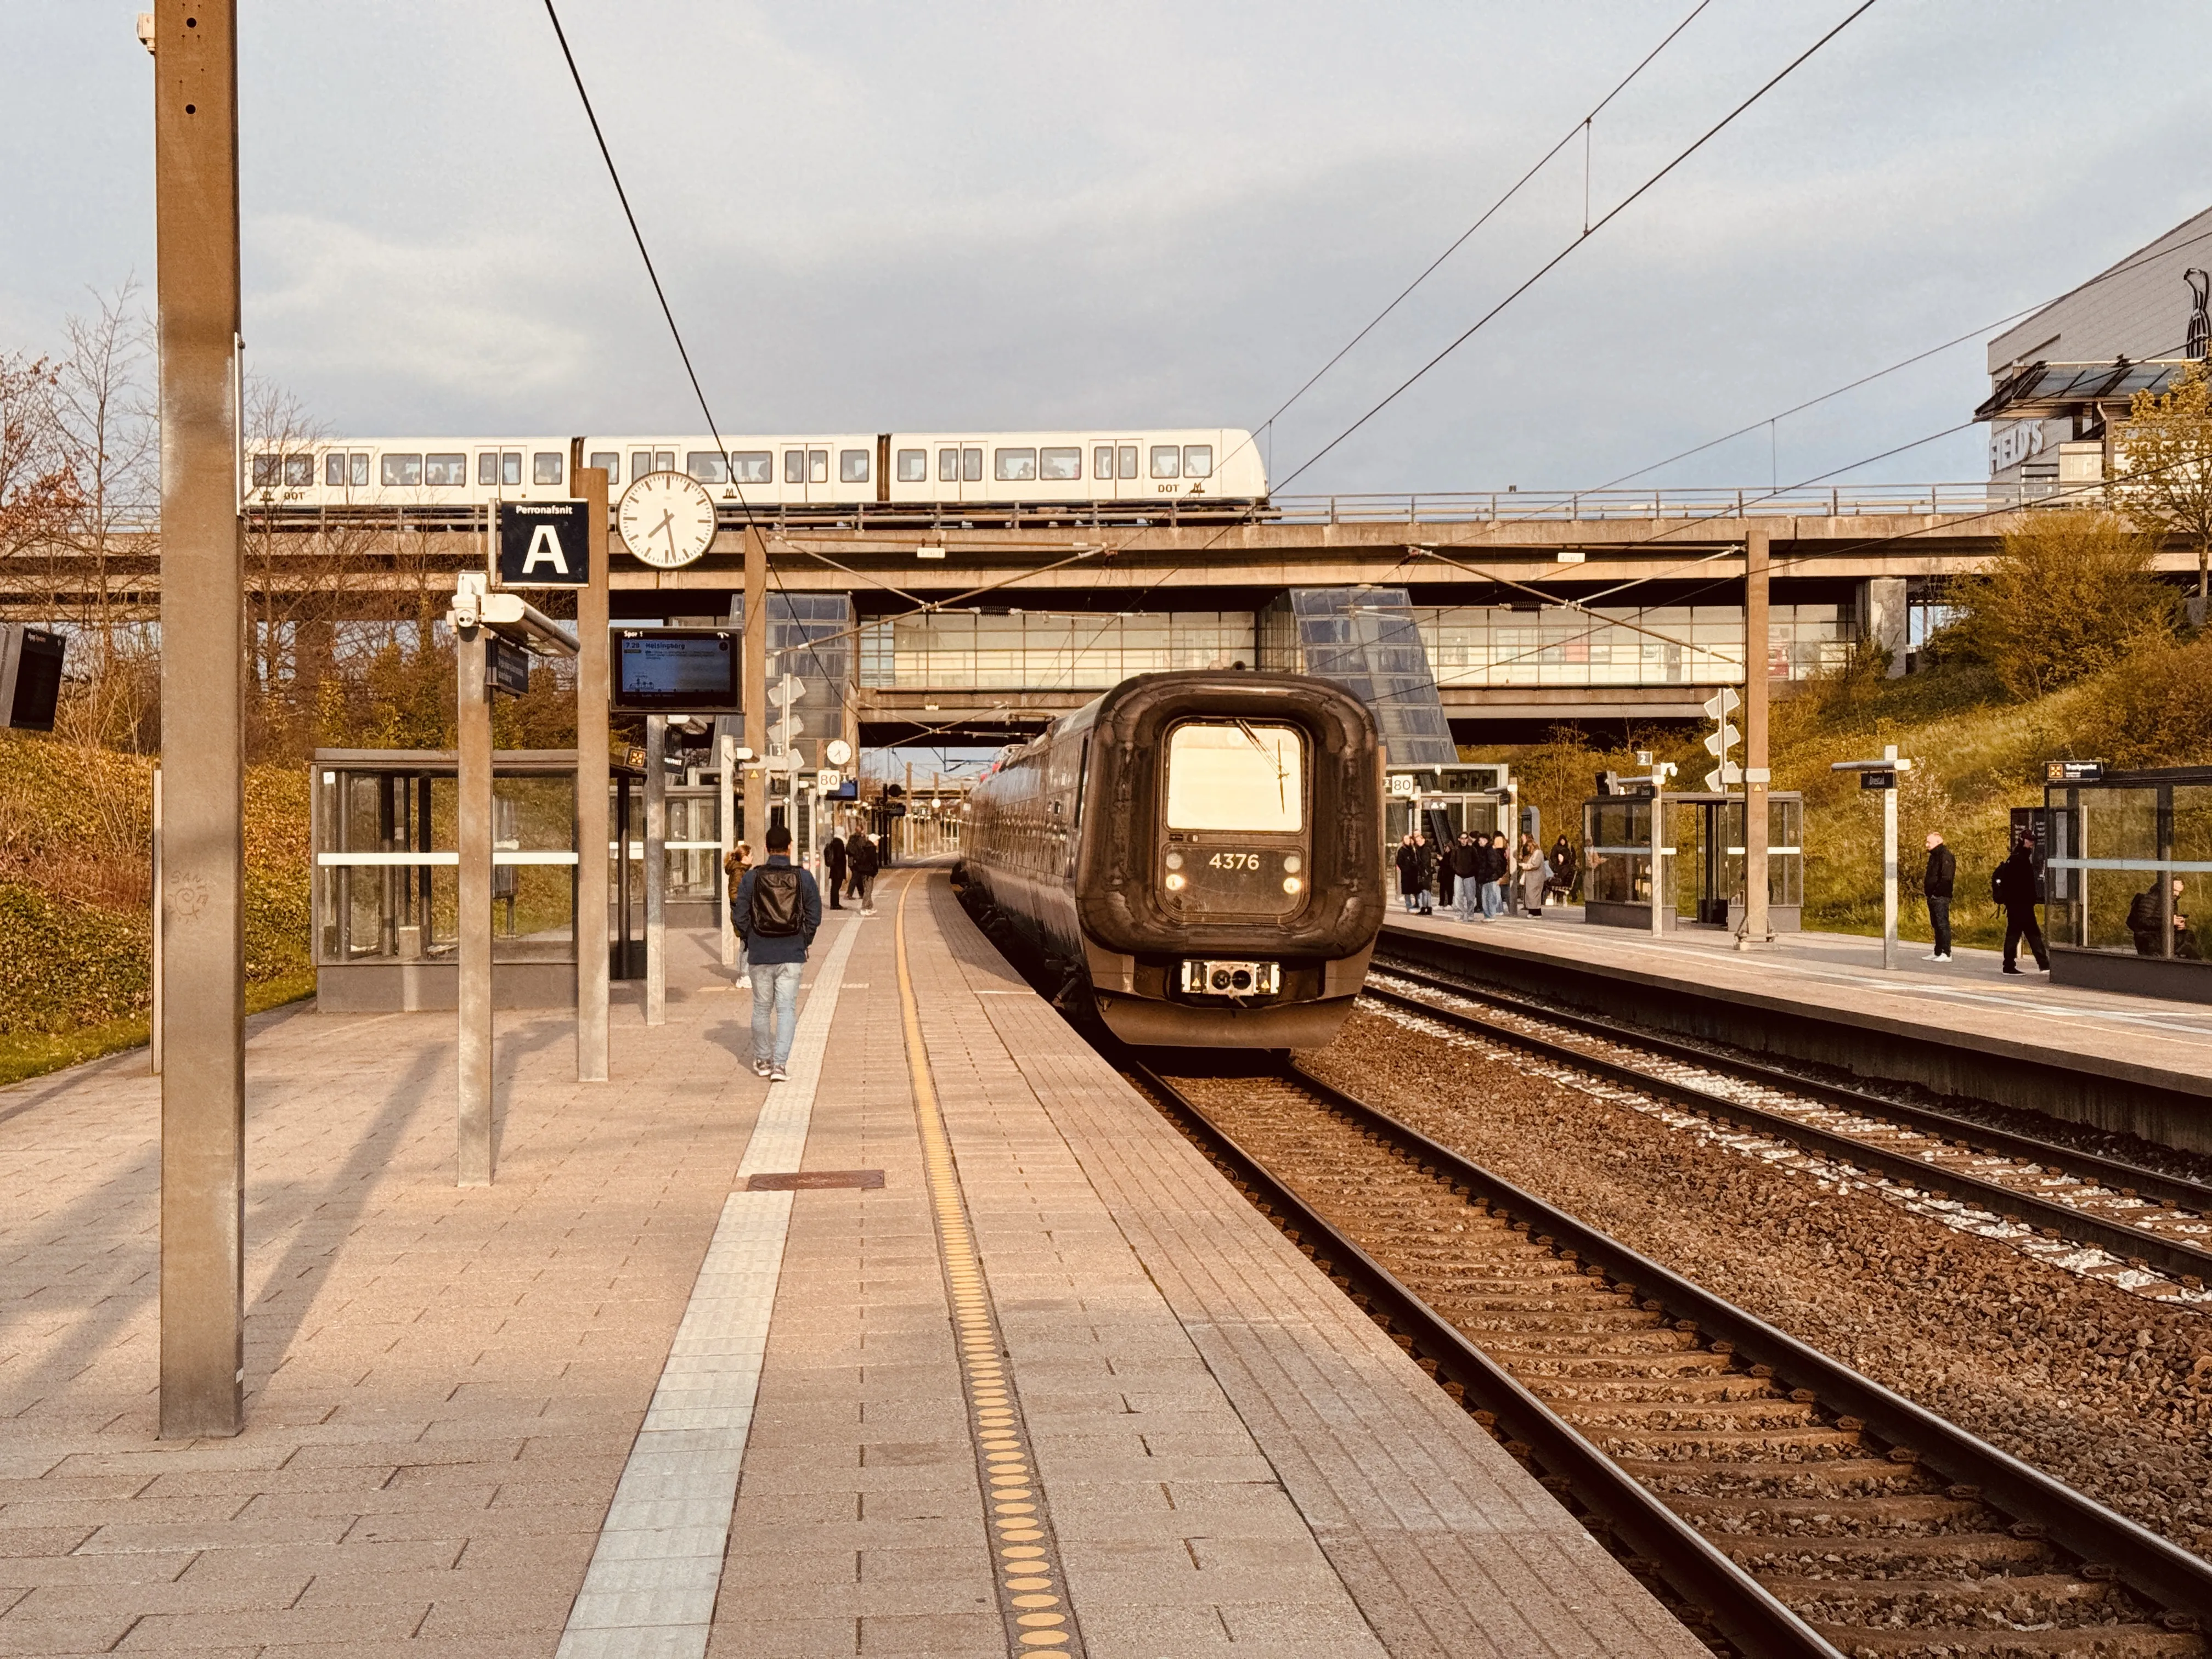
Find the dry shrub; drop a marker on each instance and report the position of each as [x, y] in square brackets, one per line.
[2156, 710]
[2070, 595]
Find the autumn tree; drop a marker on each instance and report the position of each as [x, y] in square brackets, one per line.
[2069, 596]
[2166, 463]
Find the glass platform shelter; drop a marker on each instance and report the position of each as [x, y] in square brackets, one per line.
[1701, 859]
[2128, 879]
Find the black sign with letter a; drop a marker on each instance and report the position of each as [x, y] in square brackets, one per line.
[544, 544]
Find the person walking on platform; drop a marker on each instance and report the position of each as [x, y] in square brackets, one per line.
[1467, 863]
[2013, 885]
[1425, 857]
[1560, 888]
[1935, 885]
[860, 855]
[733, 875]
[833, 865]
[1534, 870]
[1408, 860]
[1446, 876]
[777, 912]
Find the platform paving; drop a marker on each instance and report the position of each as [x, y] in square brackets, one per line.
[447, 1387]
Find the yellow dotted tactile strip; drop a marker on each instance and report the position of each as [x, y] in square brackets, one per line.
[1032, 1589]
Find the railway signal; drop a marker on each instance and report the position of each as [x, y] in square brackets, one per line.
[1725, 737]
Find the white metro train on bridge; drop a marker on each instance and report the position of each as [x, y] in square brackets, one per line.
[816, 471]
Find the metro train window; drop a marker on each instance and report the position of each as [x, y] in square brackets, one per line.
[852, 466]
[299, 472]
[611, 460]
[914, 467]
[1197, 461]
[1102, 461]
[445, 469]
[1236, 776]
[400, 471]
[753, 466]
[546, 466]
[1014, 465]
[1125, 461]
[357, 471]
[948, 466]
[1060, 464]
[264, 471]
[794, 466]
[510, 466]
[487, 466]
[707, 465]
[641, 463]
[817, 466]
[663, 460]
[1167, 461]
[971, 465]
[334, 470]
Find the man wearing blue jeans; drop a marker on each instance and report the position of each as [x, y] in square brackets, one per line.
[777, 910]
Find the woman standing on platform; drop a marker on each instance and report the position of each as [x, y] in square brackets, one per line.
[1409, 873]
[733, 877]
[1534, 872]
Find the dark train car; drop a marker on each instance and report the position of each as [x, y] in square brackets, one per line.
[1198, 853]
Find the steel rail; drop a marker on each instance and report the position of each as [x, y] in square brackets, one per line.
[1742, 1608]
[2115, 1173]
[2162, 1573]
[2130, 1243]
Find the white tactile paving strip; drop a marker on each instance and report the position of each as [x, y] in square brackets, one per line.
[650, 1591]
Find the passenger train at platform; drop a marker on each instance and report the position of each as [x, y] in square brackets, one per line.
[813, 473]
[1195, 856]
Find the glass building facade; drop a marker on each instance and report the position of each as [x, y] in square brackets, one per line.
[1048, 651]
[1369, 640]
[1662, 645]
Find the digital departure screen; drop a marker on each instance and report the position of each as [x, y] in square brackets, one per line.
[676, 671]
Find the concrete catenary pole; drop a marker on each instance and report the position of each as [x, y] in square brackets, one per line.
[756, 688]
[1758, 925]
[203, 656]
[656, 869]
[592, 836]
[472, 1162]
[726, 757]
[153, 1024]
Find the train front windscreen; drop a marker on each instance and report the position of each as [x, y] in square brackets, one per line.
[1235, 842]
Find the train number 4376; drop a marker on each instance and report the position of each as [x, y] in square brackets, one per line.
[1234, 861]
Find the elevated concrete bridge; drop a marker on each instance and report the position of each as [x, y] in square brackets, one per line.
[1528, 603]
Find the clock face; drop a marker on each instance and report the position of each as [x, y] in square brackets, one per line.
[668, 520]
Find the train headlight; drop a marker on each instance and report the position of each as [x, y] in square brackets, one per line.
[1174, 860]
[1293, 884]
[1175, 883]
[1291, 865]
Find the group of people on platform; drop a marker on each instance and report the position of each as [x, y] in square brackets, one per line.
[776, 909]
[1483, 877]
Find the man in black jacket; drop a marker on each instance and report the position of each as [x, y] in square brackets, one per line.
[1935, 886]
[2013, 884]
[833, 865]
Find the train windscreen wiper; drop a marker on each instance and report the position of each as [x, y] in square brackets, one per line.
[1275, 755]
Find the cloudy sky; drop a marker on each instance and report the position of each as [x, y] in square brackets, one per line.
[875, 216]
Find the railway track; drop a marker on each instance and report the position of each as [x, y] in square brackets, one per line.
[2143, 1217]
[1783, 1504]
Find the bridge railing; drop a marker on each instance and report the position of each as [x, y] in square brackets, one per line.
[1837, 500]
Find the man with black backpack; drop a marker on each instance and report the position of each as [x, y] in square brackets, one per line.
[777, 912]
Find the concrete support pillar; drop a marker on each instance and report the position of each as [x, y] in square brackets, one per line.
[1758, 925]
[1883, 616]
[473, 1100]
[656, 869]
[592, 835]
[203, 662]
